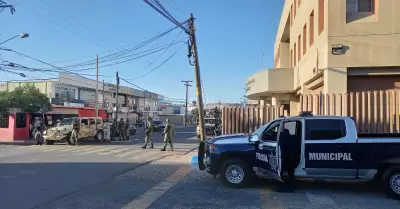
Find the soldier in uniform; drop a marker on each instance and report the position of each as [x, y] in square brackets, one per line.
[168, 132]
[121, 129]
[127, 129]
[75, 131]
[106, 131]
[149, 132]
[113, 129]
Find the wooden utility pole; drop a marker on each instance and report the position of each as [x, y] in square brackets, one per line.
[199, 94]
[102, 96]
[116, 98]
[186, 106]
[96, 104]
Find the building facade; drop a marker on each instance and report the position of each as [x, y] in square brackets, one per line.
[76, 91]
[331, 46]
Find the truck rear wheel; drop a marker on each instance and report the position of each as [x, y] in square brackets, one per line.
[391, 181]
[235, 173]
[99, 136]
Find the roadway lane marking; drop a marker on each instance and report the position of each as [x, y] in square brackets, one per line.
[145, 155]
[115, 151]
[129, 153]
[100, 149]
[151, 195]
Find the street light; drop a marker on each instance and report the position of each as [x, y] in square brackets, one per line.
[23, 35]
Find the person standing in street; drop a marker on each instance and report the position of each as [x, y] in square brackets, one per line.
[168, 133]
[38, 136]
[75, 132]
[127, 129]
[121, 129]
[113, 129]
[106, 131]
[288, 162]
[149, 132]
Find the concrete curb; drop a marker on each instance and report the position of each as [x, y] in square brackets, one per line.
[19, 142]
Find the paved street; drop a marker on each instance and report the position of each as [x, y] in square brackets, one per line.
[122, 175]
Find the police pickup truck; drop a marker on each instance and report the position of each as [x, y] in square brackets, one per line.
[325, 147]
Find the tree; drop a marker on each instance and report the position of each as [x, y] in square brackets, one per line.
[28, 98]
[195, 112]
[194, 103]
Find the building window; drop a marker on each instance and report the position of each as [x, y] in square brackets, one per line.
[299, 52]
[304, 39]
[321, 16]
[294, 55]
[295, 8]
[311, 28]
[360, 6]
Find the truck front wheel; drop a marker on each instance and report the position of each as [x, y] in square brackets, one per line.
[235, 173]
[391, 181]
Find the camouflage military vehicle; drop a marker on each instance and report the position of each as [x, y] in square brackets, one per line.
[63, 131]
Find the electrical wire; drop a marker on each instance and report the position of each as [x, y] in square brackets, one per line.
[154, 69]
[79, 23]
[179, 9]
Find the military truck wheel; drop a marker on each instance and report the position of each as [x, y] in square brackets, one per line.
[391, 182]
[99, 136]
[235, 173]
[48, 142]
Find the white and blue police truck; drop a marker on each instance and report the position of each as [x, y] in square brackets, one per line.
[326, 147]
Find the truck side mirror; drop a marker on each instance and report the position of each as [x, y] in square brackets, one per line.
[254, 138]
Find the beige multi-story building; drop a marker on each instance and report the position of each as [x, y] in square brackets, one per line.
[331, 46]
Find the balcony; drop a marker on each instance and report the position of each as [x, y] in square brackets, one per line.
[269, 82]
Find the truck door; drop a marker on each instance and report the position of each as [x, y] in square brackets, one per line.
[330, 149]
[268, 159]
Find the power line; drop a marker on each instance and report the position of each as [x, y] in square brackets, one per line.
[180, 9]
[80, 23]
[154, 69]
[63, 27]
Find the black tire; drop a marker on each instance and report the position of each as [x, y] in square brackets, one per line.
[241, 168]
[99, 136]
[48, 142]
[389, 177]
[198, 136]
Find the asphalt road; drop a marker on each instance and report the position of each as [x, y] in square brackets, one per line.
[122, 175]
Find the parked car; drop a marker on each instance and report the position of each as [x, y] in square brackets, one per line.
[158, 125]
[326, 147]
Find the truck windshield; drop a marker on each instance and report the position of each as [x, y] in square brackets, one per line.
[66, 121]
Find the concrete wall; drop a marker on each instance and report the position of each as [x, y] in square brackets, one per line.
[45, 87]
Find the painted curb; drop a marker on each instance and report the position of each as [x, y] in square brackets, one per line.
[194, 160]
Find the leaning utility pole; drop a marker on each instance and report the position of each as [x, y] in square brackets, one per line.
[96, 98]
[192, 50]
[116, 98]
[186, 106]
[199, 93]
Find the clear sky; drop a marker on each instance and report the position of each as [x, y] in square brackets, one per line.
[232, 36]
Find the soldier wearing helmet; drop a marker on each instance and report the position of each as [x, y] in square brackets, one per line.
[168, 133]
